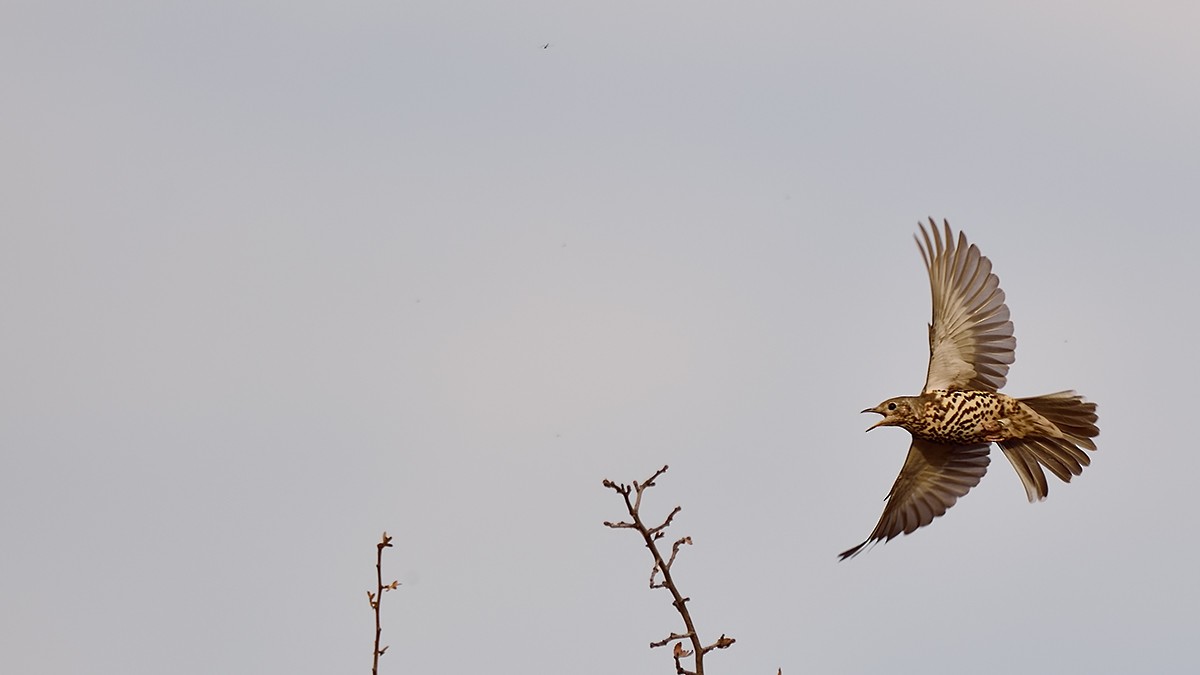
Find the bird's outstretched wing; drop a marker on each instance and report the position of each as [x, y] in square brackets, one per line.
[934, 476]
[971, 340]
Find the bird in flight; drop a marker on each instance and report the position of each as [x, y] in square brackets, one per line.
[960, 411]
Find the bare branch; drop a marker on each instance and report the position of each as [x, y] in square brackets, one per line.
[649, 483]
[621, 489]
[376, 598]
[654, 573]
[675, 549]
[721, 643]
[650, 535]
[667, 522]
[619, 525]
[668, 640]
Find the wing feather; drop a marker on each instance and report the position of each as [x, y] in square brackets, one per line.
[971, 341]
[934, 476]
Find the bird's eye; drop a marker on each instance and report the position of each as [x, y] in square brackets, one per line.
[891, 406]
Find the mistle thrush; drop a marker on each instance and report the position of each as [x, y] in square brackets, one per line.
[960, 413]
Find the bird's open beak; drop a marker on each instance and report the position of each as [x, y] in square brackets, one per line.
[877, 424]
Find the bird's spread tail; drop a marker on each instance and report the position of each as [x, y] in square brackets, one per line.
[1063, 456]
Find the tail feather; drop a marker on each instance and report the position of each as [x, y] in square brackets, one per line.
[1028, 470]
[1074, 416]
[1076, 419]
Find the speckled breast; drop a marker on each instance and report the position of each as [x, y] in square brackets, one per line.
[959, 416]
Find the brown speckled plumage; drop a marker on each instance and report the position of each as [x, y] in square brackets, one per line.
[960, 411]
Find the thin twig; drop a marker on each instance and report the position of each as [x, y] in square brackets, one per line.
[650, 535]
[668, 640]
[376, 598]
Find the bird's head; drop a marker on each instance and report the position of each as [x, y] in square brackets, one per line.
[897, 412]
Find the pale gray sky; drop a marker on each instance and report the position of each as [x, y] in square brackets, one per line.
[277, 276]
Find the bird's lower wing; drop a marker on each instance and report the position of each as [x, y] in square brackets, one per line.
[934, 476]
